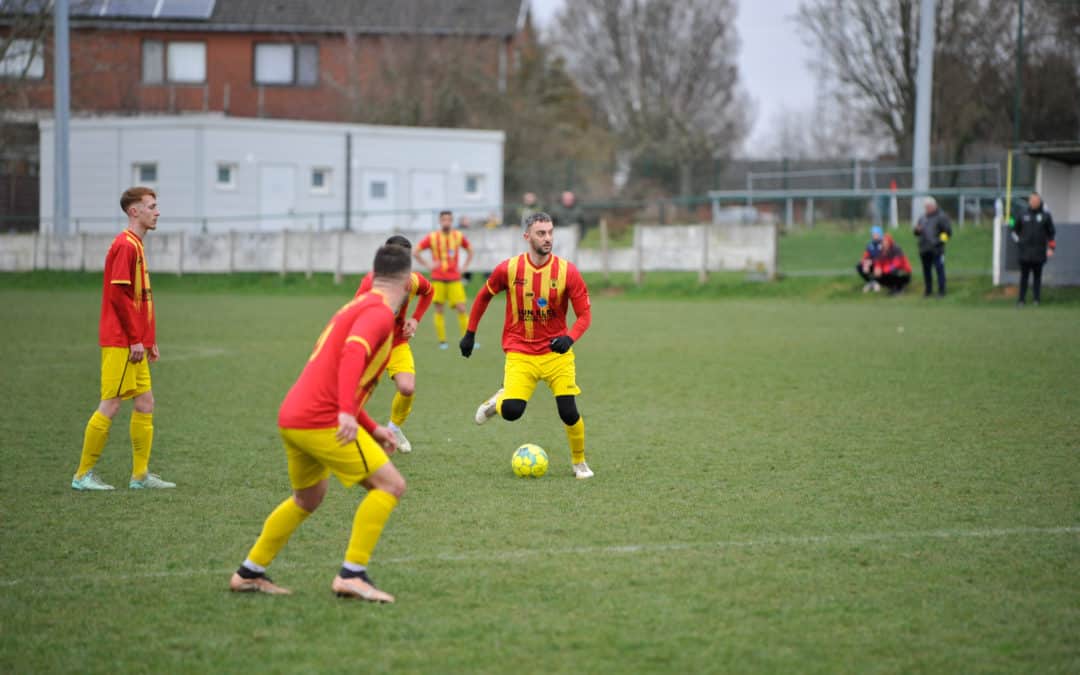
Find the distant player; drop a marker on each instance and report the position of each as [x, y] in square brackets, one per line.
[326, 430]
[128, 340]
[402, 367]
[446, 245]
[540, 288]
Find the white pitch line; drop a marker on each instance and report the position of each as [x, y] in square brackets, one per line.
[499, 556]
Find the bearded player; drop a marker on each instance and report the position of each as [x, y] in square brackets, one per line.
[402, 366]
[540, 287]
[326, 430]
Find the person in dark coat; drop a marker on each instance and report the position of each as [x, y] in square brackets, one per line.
[933, 231]
[1035, 234]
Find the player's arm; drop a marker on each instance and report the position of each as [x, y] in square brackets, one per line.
[468, 253]
[368, 331]
[418, 253]
[425, 293]
[493, 285]
[122, 301]
[579, 298]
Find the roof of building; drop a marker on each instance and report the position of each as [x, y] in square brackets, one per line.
[1066, 152]
[501, 18]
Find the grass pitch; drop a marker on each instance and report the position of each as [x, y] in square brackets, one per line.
[782, 485]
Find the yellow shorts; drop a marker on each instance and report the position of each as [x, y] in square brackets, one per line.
[120, 378]
[449, 292]
[523, 371]
[401, 361]
[314, 453]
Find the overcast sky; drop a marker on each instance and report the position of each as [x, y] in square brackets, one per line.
[772, 61]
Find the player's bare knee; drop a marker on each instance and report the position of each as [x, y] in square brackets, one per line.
[387, 479]
[568, 411]
[406, 387]
[512, 409]
[109, 407]
[144, 403]
[310, 498]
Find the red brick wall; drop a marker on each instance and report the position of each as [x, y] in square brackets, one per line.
[106, 74]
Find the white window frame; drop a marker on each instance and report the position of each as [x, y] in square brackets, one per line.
[480, 180]
[27, 63]
[294, 58]
[232, 167]
[136, 174]
[328, 174]
[169, 75]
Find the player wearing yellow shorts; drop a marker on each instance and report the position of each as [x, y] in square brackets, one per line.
[402, 366]
[326, 430]
[446, 245]
[540, 288]
[127, 335]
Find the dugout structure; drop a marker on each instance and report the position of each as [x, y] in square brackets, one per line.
[1057, 179]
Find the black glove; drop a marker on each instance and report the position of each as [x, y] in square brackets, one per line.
[562, 344]
[467, 342]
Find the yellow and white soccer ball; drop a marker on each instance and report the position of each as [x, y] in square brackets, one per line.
[529, 461]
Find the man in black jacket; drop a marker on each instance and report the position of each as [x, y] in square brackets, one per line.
[933, 230]
[1035, 233]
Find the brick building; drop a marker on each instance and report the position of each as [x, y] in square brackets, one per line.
[324, 60]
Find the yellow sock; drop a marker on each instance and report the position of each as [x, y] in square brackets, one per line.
[371, 517]
[142, 438]
[277, 529]
[440, 326]
[94, 439]
[463, 323]
[575, 433]
[400, 408]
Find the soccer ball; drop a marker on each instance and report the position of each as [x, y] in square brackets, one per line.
[529, 461]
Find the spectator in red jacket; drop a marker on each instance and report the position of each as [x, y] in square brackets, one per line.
[892, 268]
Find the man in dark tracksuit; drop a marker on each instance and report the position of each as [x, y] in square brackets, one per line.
[1035, 231]
[933, 230]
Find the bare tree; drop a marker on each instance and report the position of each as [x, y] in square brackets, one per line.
[24, 25]
[869, 56]
[663, 72]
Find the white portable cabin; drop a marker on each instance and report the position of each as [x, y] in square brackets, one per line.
[214, 173]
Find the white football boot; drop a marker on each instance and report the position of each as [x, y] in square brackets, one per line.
[403, 444]
[582, 471]
[488, 408]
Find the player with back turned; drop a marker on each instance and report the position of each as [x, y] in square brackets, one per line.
[540, 288]
[402, 366]
[325, 430]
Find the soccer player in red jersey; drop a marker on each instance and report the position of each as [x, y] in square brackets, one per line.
[402, 366]
[540, 288]
[326, 430]
[446, 244]
[127, 336]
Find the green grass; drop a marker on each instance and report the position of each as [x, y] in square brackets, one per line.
[783, 484]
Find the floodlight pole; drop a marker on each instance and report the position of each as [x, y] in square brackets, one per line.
[924, 89]
[1019, 75]
[61, 114]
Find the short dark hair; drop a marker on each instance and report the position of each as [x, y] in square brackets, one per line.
[392, 261]
[537, 217]
[134, 195]
[446, 212]
[399, 240]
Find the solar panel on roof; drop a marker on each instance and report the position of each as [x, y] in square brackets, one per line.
[131, 9]
[185, 9]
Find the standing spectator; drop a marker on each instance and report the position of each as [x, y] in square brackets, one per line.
[933, 231]
[892, 269]
[865, 267]
[568, 211]
[529, 206]
[1035, 230]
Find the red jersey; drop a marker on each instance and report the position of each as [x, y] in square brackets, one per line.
[127, 304]
[537, 300]
[419, 287]
[445, 249]
[344, 367]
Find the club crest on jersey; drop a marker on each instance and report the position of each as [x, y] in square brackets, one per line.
[542, 302]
